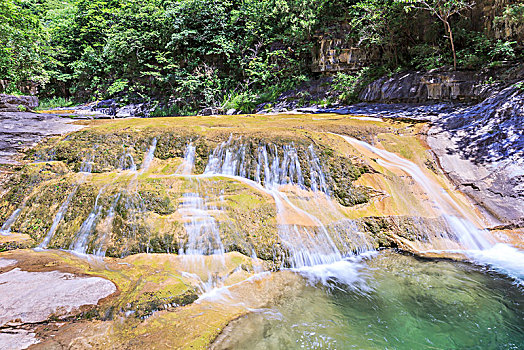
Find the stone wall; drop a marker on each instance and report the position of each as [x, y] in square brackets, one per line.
[484, 14]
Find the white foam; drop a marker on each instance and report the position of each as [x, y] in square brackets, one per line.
[346, 272]
[501, 257]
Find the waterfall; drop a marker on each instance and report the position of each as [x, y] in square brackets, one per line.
[310, 242]
[201, 227]
[188, 163]
[148, 157]
[127, 158]
[474, 240]
[81, 244]
[108, 226]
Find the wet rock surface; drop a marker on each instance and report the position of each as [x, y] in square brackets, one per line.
[479, 146]
[21, 130]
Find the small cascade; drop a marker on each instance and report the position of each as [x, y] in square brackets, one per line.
[126, 161]
[107, 227]
[197, 214]
[456, 218]
[188, 162]
[88, 226]
[203, 251]
[148, 157]
[201, 227]
[318, 179]
[474, 240]
[6, 227]
[85, 170]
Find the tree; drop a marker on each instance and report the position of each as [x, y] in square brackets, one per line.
[443, 9]
[21, 44]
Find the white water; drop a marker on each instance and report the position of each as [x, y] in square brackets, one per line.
[6, 227]
[477, 246]
[85, 170]
[202, 228]
[312, 244]
[81, 244]
[148, 157]
[101, 251]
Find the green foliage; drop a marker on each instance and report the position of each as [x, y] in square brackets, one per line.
[21, 44]
[245, 102]
[513, 15]
[349, 85]
[54, 102]
[172, 110]
[426, 57]
[224, 54]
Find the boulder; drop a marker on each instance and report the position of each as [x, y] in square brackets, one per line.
[10, 103]
[210, 111]
[133, 110]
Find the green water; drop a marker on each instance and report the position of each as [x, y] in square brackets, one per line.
[408, 304]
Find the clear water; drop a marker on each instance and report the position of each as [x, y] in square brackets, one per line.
[401, 303]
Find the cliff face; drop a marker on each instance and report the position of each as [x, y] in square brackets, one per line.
[337, 55]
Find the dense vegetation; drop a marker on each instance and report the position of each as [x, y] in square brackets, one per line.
[188, 54]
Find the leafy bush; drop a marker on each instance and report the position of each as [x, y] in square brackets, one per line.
[54, 102]
[245, 101]
[427, 57]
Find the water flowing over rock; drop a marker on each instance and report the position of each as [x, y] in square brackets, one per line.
[310, 242]
[175, 227]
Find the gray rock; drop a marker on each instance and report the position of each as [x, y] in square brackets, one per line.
[482, 150]
[421, 87]
[210, 111]
[9, 103]
[32, 297]
[132, 110]
[23, 130]
[231, 111]
[16, 339]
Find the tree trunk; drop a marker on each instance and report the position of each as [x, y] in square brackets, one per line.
[448, 29]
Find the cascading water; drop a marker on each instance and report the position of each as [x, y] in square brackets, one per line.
[6, 227]
[81, 244]
[309, 241]
[475, 241]
[203, 234]
[85, 170]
